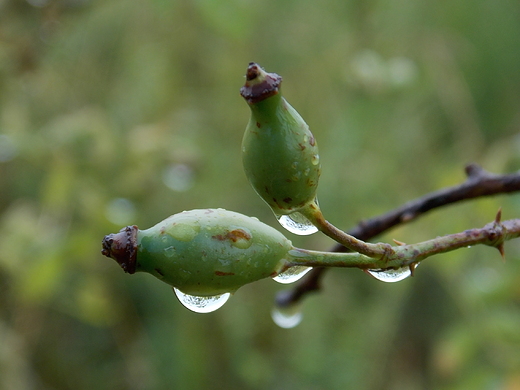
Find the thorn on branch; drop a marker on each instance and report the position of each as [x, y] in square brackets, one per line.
[400, 243]
[498, 217]
[496, 233]
[500, 248]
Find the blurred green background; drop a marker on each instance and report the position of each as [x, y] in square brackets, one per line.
[126, 111]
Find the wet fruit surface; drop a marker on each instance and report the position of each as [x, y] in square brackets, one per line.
[210, 252]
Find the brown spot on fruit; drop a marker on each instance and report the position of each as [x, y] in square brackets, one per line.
[277, 203]
[221, 273]
[238, 234]
[287, 200]
[233, 235]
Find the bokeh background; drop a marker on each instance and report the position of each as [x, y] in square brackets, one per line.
[126, 111]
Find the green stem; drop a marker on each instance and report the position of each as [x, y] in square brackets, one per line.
[493, 234]
[313, 213]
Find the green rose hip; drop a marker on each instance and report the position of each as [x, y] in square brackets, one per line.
[279, 153]
[281, 161]
[204, 254]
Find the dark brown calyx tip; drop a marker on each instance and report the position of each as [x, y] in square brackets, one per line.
[259, 84]
[252, 71]
[122, 247]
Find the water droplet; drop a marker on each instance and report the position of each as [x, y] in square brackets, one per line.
[287, 317]
[391, 275]
[202, 304]
[315, 160]
[296, 223]
[170, 251]
[291, 275]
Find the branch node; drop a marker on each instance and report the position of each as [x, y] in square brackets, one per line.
[496, 233]
[400, 243]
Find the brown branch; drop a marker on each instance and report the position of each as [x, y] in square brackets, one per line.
[479, 183]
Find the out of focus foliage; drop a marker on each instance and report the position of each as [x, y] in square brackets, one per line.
[121, 112]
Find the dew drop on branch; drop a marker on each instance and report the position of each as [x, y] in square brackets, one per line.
[297, 223]
[391, 275]
[202, 304]
[291, 275]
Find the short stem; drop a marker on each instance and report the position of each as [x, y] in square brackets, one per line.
[313, 213]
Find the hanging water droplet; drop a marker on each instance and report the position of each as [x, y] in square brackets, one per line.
[202, 304]
[391, 275]
[287, 317]
[291, 275]
[296, 223]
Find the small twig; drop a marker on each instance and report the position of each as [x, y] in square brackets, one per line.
[479, 183]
